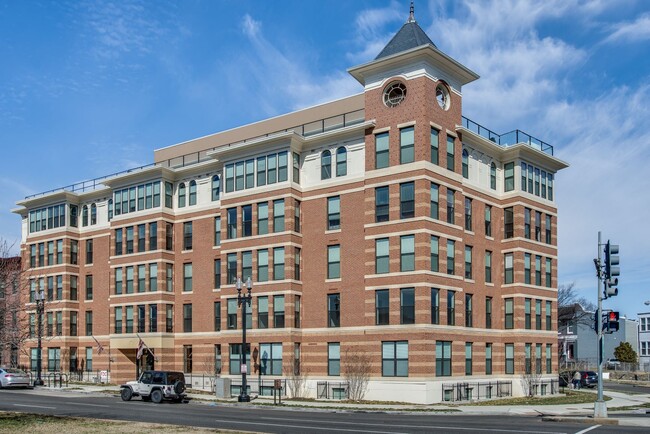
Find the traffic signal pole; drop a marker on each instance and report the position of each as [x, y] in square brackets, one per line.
[600, 406]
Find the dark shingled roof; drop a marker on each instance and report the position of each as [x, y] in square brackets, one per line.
[409, 36]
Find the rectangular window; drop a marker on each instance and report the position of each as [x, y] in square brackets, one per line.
[451, 218]
[488, 359]
[434, 145]
[450, 153]
[129, 240]
[231, 215]
[538, 314]
[395, 359]
[382, 258]
[278, 311]
[262, 265]
[261, 171]
[509, 268]
[488, 221]
[538, 270]
[296, 312]
[187, 277]
[142, 238]
[296, 168]
[169, 236]
[381, 204]
[333, 358]
[89, 323]
[142, 278]
[488, 312]
[435, 201]
[187, 236]
[217, 316]
[250, 173]
[271, 173]
[527, 319]
[435, 253]
[407, 253]
[141, 318]
[74, 252]
[169, 318]
[382, 304]
[187, 359]
[153, 236]
[407, 145]
[236, 358]
[488, 266]
[262, 218]
[217, 231]
[118, 242]
[468, 214]
[451, 247]
[239, 175]
[548, 229]
[468, 262]
[271, 359]
[74, 287]
[527, 361]
[509, 313]
[443, 358]
[538, 226]
[407, 200]
[89, 252]
[508, 221]
[509, 175]
[527, 268]
[469, 321]
[468, 358]
[334, 262]
[187, 318]
[296, 217]
[549, 358]
[129, 319]
[246, 265]
[407, 306]
[118, 281]
[296, 266]
[73, 323]
[231, 268]
[217, 273]
[278, 215]
[129, 280]
[247, 220]
[527, 223]
[263, 312]
[89, 287]
[510, 358]
[536, 182]
[451, 308]
[333, 213]
[283, 166]
[232, 314]
[278, 263]
[118, 320]
[435, 306]
[153, 277]
[153, 318]
[381, 151]
[333, 310]
[549, 324]
[169, 277]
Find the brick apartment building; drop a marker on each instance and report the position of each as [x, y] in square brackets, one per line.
[384, 224]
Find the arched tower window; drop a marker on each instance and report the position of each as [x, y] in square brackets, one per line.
[216, 184]
[465, 164]
[341, 161]
[192, 192]
[326, 165]
[181, 195]
[493, 176]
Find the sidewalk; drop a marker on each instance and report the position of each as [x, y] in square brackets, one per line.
[571, 412]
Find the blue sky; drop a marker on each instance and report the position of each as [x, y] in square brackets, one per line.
[88, 88]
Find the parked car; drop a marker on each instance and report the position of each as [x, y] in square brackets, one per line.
[156, 386]
[613, 364]
[10, 377]
[588, 379]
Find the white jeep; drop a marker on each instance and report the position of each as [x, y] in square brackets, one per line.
[156, 386]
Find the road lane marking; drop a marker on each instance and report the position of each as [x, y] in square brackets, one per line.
[421, 426]
[307, 427]
[33, 406]
[588, 429]
[89, 405]
[451, 428]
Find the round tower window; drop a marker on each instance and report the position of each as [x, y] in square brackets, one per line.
[394, 94]
[442, 96]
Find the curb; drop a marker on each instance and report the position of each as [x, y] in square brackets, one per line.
[581, 419]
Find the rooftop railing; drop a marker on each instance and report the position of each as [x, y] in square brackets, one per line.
[507, 139]
[305, 130]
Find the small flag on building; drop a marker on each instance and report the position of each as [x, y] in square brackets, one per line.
[100, 347]
[141, 347]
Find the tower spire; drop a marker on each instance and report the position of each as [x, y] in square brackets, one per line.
[411, 14]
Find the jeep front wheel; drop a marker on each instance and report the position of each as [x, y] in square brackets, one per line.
[156, 396]
[126, 393]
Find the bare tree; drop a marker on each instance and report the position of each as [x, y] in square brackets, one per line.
[356, 370]
[572, 307]
[531, 376]
[14, 329]
[208, 366]
[296, 377]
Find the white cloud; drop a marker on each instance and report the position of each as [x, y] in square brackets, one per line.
[638, 30]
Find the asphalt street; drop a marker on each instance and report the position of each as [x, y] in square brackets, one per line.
[247, 417]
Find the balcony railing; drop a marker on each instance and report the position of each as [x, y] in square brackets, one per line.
[305, 130]
[507, 139]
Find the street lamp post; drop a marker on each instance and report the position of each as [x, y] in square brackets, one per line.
[40, 305]
[243, 301]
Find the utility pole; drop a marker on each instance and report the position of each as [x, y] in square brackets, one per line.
[600, 406]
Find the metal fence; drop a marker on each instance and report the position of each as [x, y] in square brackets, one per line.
[257, 386]
[466, 391]
[333, 390]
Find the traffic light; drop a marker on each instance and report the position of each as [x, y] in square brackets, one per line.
[612, 322]
[612, 269]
